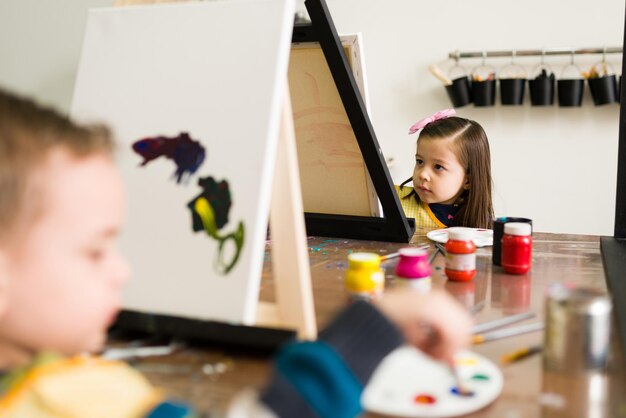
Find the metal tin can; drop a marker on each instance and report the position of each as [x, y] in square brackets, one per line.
[578, 328]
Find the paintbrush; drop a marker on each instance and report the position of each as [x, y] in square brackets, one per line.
[126, 353]
[462, 390]
[439, 75]
[520, 354]
[433, 255]
[500, 322]
[441, 248]
[391, 256]
[509, 332]
[476, 308]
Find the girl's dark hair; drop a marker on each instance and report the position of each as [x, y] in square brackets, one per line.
[472, 150]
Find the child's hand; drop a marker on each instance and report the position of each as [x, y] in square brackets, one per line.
[434, 322]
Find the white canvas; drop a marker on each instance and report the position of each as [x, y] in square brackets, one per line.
[216, 70]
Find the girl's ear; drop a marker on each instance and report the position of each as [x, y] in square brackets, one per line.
[466, 183]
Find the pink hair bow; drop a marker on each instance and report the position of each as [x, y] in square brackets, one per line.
[420, 124]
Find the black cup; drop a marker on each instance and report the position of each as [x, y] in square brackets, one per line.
[541, 91]
[459, 91]
[512, 91]
[570, 92]
[498, 231]
[603, 89]
[484, 92]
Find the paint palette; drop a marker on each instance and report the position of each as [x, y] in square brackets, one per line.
[482, 237]
[408, 383]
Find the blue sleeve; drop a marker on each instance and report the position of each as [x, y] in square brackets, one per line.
[325, 378]
[170, 409]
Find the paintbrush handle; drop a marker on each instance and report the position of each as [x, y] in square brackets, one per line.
[439, 75]
[509, 332]
[497, 323]
[397, 254]
[433, 255]
[520, 354]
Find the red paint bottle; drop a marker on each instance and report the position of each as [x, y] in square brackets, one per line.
[517, 244]
[460, 254]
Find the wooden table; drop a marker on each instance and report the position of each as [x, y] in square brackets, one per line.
[208, 378]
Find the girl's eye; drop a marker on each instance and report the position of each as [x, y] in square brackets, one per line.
[439, 167]
[419, 161]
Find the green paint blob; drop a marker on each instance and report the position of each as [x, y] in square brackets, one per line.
[480, 377]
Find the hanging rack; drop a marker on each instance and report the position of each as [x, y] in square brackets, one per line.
[535, 52]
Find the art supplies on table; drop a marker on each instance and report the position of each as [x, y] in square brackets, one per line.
[413, 269]
[476, 308]
[408, 383]
[460, 254]
[364, 279]
[126, 353]
[498, 231]
[577, 318]
[509, 332]
[520, 354]
[441, 248]
[392, 256]
[501, 322]
[517, 246]
[482, 237]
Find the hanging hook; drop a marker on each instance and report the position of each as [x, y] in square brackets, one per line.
[572, 57]
[457, 56]
[484, 57]
[604, 54]
[513, 53]
[543, 56]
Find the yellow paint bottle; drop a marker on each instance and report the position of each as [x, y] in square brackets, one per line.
[365, 279]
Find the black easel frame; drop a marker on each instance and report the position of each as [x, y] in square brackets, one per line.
[614, 248]
[394, 226]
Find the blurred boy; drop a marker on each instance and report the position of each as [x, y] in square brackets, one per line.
[61, 208]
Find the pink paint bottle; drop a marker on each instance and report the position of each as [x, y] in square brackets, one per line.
[413, 269]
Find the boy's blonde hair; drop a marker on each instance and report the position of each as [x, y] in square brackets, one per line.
[29, 133]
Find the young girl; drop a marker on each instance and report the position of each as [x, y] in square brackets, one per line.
[452, 174]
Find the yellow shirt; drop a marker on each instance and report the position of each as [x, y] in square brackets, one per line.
[85, 387]
[413, 208]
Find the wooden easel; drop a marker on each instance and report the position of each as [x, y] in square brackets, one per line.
[294, 298]
[294, 307]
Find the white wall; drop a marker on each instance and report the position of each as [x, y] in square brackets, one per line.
[555, 165]
[40, 44]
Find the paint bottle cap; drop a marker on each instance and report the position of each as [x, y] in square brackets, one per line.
[517, 228]
[413, 252]
[363, 261]
[459, 233]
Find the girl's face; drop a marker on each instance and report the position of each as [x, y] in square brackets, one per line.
[438, 176]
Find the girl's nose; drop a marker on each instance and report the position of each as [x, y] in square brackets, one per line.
[120, 271]
[423, 174]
